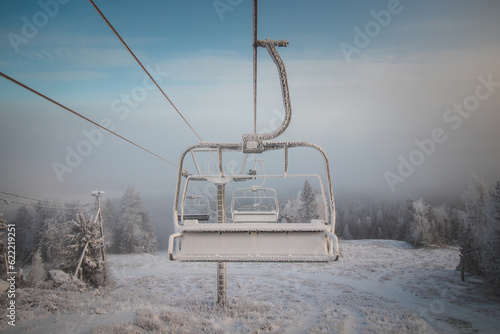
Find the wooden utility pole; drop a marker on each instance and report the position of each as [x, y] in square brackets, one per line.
[97, 195]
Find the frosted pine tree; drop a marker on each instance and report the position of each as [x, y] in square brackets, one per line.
[136, 231]
[53, 246]
[418, 223]
[37, 273]
[491, 255]
[442, 224]
[289, 210]
[472, 241]
[25, 241]
[308, 206]
[86, 245]
[111, 226]
[347, 233]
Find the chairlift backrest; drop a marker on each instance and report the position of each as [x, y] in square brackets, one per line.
[194, 208]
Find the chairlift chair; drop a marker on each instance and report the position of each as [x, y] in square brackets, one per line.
[253, 234]
[194, 208]
[254, 205]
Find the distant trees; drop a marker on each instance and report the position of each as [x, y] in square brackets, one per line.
[417, 222]
[431, 225]
[135, 232]
[362, 218]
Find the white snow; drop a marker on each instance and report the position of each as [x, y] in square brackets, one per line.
[377, 286]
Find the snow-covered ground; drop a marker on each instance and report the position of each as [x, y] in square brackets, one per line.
[377, 286]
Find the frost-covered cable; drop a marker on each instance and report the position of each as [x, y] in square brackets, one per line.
[142, 66]
[41, 200]
[36, 205]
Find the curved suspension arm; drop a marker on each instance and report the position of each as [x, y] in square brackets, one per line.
[270, 45]
[252, 142]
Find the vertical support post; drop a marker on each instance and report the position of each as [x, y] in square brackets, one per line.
[221, 203]
[221, 284]
[285, 149]
[97, 195]
[221, 266]
[254, 44]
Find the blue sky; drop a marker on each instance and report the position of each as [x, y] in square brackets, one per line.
[368, 111]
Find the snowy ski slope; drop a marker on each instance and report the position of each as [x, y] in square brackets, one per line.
[377, 286]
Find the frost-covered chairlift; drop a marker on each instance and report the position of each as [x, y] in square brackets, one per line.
[252, 235]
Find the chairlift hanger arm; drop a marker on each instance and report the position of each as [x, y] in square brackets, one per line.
[271, 45]
[252, 142]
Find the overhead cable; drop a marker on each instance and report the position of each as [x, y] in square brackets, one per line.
[37, 205]
[83, 117]
[41, 200]
[142, 66]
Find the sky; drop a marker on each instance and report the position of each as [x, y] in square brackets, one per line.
[403, 96]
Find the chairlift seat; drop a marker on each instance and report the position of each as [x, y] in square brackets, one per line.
[194, 216]
[253, 242]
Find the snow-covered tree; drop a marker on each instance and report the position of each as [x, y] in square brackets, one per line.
[418, 223]
[347, 233]
[53, 247]
[136, 232]
[290, 209]
[472, 239]
[441, 227]
[37, 272]
[491, 257]
[111, 225]
[42, 213]
[308, 206]
[480, 241]
[469, 254]
[495, 197]
[85, 244]
[25, 241]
